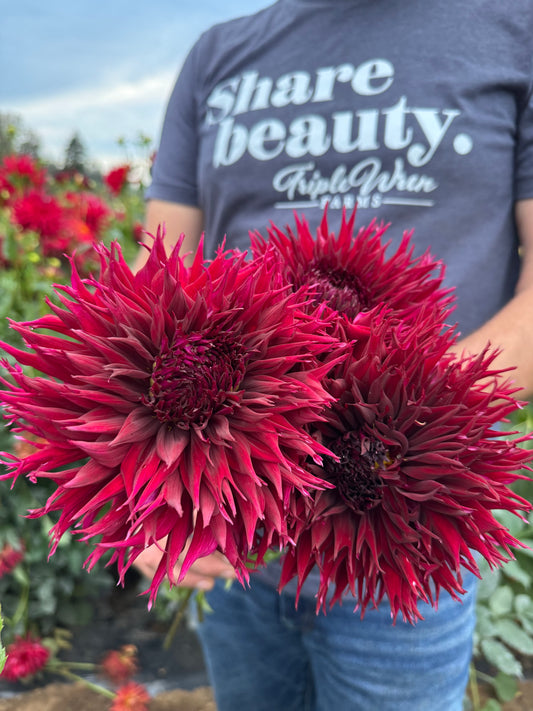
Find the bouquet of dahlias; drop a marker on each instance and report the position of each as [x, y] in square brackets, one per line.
[174, 403]
[418, 464]
[304, 399]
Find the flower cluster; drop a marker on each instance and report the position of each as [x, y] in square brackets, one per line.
[30, 656]
[305, 399]
[63, 211]
[418, 466]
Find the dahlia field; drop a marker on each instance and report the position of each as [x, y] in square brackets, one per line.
[300, 400]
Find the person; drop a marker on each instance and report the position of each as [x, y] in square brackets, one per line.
[422, 115]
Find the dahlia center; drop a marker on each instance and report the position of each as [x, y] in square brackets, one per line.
[357, 473]
[342, 290]
[192, 377]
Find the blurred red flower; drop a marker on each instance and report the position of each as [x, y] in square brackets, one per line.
[19, 173]
[89, 208]
[131, 697]
[9, 558]
[117, 178]
[25, 657]
[37, 211]
[120, 665]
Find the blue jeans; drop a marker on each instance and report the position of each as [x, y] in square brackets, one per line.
[262, 654]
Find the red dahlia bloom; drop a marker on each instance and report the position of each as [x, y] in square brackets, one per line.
[187, 393]
[117, 178]
[39, 212]
[120, 665]
[19, 173]
[91, 210]
[25, 657]
[131, 697]
[354, 274]
[9, 558]
[420, 468]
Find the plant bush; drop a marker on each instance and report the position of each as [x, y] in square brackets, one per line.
[48, 218]
[504, 631]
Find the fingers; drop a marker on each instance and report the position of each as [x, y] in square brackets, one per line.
[201, 575]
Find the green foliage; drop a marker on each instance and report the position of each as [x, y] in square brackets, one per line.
[2, 650]
[504, 630]
[41, 593]
[15, 137]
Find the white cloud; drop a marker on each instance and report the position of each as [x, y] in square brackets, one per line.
[99, 114]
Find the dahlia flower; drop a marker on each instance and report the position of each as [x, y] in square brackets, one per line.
[9, 558]
[175, 404]
[131, 697]
[90, 209]
[120, 665]
[41, 213]
[117, 178]
[19, 173]
[420, 468]
[353, 274]
[25, 657]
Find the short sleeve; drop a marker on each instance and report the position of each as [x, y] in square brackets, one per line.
[524, 150]
[174, 173]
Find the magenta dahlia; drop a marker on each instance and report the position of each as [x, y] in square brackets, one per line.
[175, 404]
[354, 274]
[420, 469]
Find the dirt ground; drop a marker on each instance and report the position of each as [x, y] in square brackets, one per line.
[67, 697]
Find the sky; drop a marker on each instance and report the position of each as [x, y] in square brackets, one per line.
[102, 69]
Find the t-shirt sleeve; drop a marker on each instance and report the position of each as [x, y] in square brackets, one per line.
[524, 152]
[174, 172]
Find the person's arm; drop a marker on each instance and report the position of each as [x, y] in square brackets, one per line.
[511, 329]
[176, 219]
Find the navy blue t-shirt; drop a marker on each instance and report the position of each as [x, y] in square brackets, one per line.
[419, 112]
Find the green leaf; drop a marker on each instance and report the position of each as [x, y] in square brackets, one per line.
[505, 687]
[484, 624]
[499, 656]
[527, 624]
[514, 636]
[489, 581]
[513, 523]
[2, 650]
[516, 572]
[523, 605]
[501, 601]
[528, 542]
[491, 705]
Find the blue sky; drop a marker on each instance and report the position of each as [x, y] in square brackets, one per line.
[102, 68]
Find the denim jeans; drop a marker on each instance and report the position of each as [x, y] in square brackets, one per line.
[263, 654]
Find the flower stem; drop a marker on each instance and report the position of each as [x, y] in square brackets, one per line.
[180, 612]
[474, 688]
[74, 677]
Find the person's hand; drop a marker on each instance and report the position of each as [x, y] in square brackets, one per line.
[201, 575]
